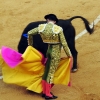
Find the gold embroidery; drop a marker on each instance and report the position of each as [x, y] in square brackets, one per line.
[56, 29]
[41, 27]
[55, 58]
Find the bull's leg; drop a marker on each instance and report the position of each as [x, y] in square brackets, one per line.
[74, 68]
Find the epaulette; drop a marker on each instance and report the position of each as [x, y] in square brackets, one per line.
[41, 27]
[56, 29]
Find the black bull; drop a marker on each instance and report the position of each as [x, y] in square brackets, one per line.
[69, 33]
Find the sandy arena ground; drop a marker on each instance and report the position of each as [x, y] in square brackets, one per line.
[16, 14]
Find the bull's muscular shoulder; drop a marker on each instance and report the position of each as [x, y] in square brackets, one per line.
[56, 29]
[41, 27]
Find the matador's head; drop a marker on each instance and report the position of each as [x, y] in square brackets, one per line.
[52, 17]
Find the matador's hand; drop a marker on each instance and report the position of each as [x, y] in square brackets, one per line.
[28, 40]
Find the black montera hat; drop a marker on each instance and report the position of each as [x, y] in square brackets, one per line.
[51, 17]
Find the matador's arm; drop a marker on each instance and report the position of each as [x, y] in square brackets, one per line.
[30, 35]
[64, 44]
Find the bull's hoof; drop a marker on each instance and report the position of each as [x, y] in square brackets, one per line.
[74, 70]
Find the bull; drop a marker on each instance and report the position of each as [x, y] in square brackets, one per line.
[69, 32]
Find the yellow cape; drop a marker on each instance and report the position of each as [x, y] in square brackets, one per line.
[29, 72]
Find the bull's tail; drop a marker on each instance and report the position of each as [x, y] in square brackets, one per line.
[86, 22]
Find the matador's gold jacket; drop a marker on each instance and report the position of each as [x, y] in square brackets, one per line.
[51, 34]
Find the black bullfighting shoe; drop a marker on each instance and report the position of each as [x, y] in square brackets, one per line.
[47, 97]
[43, 95]
[53, 97]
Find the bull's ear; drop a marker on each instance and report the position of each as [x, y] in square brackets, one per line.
[25, 35]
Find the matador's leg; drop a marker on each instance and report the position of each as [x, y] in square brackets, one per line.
[53, 55]
[51, 66]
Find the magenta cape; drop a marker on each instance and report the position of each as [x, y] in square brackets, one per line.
[27, 69]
